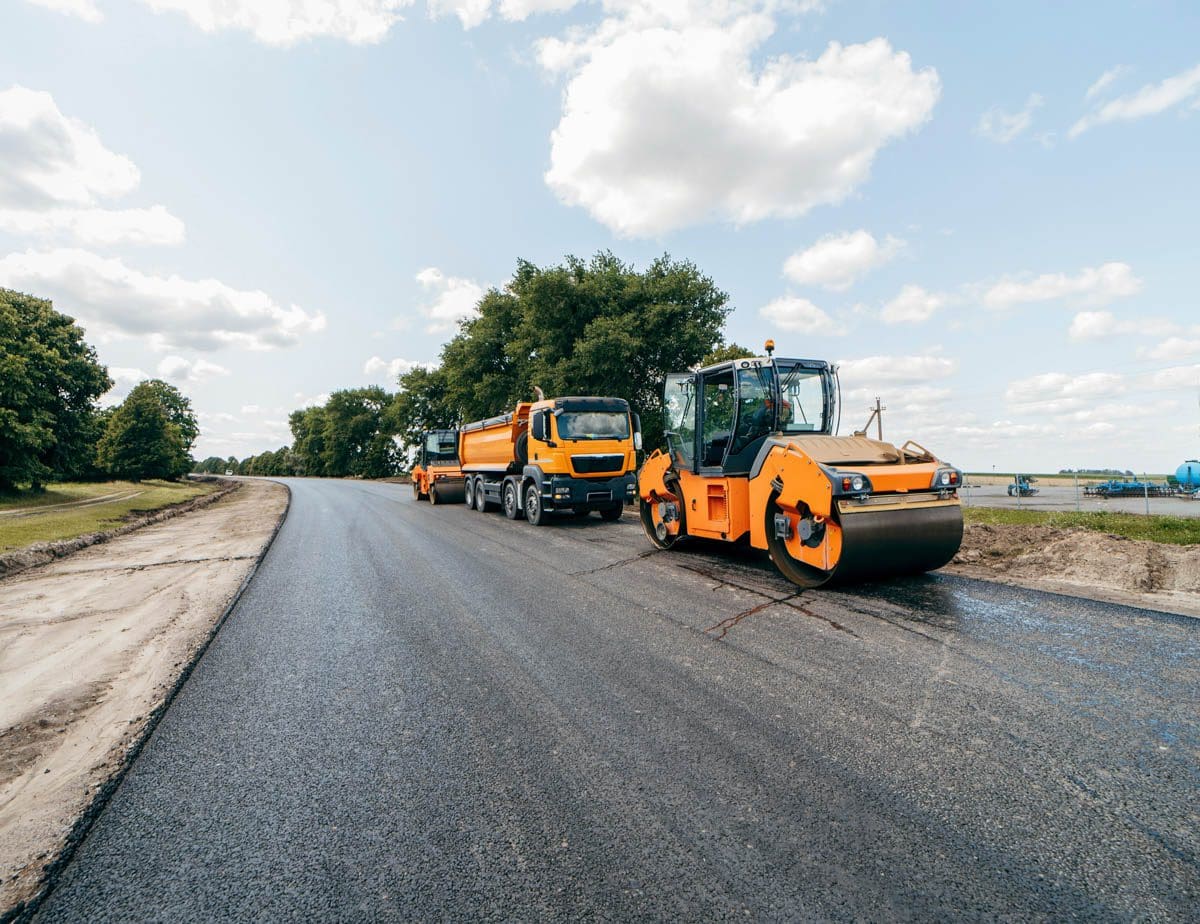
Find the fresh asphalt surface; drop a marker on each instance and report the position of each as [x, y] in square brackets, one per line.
[426, 713]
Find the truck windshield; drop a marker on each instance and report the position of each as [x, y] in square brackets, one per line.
[805, 407]
[441, 447]
[593, 425]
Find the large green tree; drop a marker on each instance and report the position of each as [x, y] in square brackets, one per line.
[308, 440]
[49, 382]
[150, 435]
[141, 441]
[594, 327]
[356, 439]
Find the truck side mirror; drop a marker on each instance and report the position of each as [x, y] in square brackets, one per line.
[637, 440]
[538, 426]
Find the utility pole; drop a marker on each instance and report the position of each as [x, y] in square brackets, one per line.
[879, 409]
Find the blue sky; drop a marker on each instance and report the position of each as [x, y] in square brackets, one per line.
[986, 213]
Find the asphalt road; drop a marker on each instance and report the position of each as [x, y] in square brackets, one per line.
[430, 713]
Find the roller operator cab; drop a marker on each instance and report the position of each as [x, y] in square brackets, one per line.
[437, 476]
[751, 456]
[574, 453]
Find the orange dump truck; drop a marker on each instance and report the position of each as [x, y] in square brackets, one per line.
[575, 453]
[437, 476]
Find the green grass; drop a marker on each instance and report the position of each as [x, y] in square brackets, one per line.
[45, 521]
[1173, 530]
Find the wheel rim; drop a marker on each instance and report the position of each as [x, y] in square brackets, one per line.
[533, 504]
[469, 493]
[510, 500]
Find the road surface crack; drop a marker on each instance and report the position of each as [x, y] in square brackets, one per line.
[726, 624]
[617, 564]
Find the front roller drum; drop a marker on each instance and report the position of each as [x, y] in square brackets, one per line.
[877, 545]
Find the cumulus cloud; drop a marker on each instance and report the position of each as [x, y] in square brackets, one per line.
[669, 119]
[1151, 99]
[1171, 349]
[102, 227]
[799, 314]
[1002, 127]
[912, 306]
[286, 22]
[168, 311]
[55, 171]
[193, 371]
[1091, 285]
[389, 370]
[472, 13]
[1177, 378]
[872, 372]
[837, 261]
[1064, 390]
[84, 9]
[1097, 325]
[124, 378]
[454, 299]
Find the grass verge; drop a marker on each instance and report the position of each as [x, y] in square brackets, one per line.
[1172, 530]
[69, 510]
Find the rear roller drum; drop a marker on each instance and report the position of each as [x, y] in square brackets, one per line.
[664, 521]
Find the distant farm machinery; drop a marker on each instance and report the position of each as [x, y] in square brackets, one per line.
[1131, 487]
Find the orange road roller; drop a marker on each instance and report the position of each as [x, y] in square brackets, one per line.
[752, 456]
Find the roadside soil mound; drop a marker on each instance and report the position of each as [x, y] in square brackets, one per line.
[1084, 563]
[91, 647]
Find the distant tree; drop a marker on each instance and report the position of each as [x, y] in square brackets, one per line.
[594, 327]
[726, 352]
[213, 465]
[49, 382]
[308, 440]
[141, 441]
[178, 410]
[355, 441]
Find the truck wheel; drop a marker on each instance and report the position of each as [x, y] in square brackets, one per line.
[469, 492]
[509, 493]
[522, 448]
[611, 514]
[533, 506]
[480, 497]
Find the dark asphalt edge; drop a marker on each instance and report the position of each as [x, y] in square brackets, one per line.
[24, 912]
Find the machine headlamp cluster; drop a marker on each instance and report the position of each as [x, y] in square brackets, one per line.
[850, 483]
[947, 479]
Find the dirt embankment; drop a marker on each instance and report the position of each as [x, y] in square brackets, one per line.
[1084, 563]
[90, 647]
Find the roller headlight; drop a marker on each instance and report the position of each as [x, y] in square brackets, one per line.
[850, 483]
[947, 478]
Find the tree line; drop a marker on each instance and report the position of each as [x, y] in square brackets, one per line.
[52, 427]
[583, 327]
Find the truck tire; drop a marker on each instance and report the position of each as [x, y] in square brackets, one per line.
[509, 503]
[522, 448]
[480, 498]
[469, 493]
[534, 512]
[611, 514]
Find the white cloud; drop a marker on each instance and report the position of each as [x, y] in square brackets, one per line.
[50, 159]
[1003, 127]
[250, 409]
[194, 371]
[84, 9]
[169, 311]
[390, 370]
[124, 378]
[1097, 325]
[154, 225]
[303, 401]
[1151, 99]
[871, 372]
[1063, 391]
[1171, 349]
[285, 22]
[799, 314]
[519, 10]
[912, 306]
[1177, 378]
[55, 170]
[472, 13]
[454, 299]
[836, 261]
[668, 119]
[1091, 285]
[1105, 80]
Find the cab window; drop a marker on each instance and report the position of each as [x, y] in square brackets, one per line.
[718, 417]
[680, 411]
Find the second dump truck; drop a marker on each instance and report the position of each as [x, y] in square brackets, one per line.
[573, 453]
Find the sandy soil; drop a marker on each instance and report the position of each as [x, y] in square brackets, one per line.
[90, 645]
[1084, 563]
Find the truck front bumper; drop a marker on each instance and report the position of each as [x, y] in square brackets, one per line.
[562, 491]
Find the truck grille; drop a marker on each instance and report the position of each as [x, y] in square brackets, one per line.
[587, 464]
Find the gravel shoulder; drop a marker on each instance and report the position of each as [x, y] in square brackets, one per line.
[90, 646]
[1084, 563]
